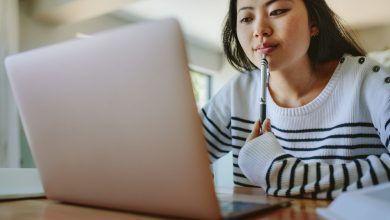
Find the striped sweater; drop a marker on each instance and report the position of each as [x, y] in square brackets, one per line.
[337, 142]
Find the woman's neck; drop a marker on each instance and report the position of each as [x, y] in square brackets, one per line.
[297, 86]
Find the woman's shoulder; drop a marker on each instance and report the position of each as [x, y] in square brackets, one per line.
[366, 72]
[240, 81]
[244, 80]
[238, 87]
[360, 64]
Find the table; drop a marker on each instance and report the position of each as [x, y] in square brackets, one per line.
[44, 209]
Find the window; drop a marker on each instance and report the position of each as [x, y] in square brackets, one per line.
[201, 84]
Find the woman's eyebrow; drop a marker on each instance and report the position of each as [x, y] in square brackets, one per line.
[268, 3]
[245, 8]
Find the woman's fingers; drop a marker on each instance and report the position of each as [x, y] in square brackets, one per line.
[266, 127]
[255, 131]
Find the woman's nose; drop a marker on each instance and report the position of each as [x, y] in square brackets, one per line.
[262, 29]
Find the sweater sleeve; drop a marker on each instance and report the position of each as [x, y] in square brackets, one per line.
[376, 95]
[264, 163]
[215, 117]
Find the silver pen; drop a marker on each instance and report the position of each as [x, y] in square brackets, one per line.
[263, 86]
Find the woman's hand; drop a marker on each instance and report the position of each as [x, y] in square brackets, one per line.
[257, 130]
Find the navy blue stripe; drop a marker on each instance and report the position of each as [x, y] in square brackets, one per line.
[386, 169]
[219, 140]
[308, 130]
[235, 165]
[292, 177]
[317, 183]
[230, 123]
[215, 126]
[331, 136]
[213, 155]
[242, 120]
[331, 182]
[214, 136]
[239, 138]
[387, 123]
[244, 184]
[346, 177]
[236, 147]
[239, 175]
[358, 124]
[387, 142]
[321, 139]
[215, 147]
[241, 129]
[235, 156]
[329, 157]
[358, 146]
[374, 178]
[280, 177]
[360, 174]
[305, 174]
[281, 157]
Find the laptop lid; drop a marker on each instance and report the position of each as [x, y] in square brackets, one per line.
[112, 121]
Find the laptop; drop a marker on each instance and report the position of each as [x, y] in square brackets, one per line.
[112, 122]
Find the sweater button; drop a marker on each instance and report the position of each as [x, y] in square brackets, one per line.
[387, 80]
[376, 68]
[361, 60]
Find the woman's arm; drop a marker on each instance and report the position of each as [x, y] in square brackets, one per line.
[265, 163]
[216, 133]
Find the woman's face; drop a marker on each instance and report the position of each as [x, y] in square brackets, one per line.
[278, 28]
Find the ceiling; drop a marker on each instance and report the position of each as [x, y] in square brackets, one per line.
[202, 19]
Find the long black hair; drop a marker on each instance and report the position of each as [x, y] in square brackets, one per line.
[331, 43]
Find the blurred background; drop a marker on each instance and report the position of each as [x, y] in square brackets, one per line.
[29, 24]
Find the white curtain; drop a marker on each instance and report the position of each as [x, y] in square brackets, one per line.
[9, 122]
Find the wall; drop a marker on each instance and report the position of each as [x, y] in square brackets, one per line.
[37, 34]
[375, 38]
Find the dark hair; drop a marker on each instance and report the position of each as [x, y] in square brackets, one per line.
[331, 43]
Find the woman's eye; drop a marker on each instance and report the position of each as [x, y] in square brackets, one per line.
[246, 20]
[278, 12]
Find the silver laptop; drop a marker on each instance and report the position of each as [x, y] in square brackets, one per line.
[112, 122]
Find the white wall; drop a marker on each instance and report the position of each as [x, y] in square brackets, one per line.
[375, 38]
[34, 34]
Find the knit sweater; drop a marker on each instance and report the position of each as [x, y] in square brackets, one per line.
[337, 142]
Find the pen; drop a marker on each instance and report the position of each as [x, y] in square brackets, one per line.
[263, 85]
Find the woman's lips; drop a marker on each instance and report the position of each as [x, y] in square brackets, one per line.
[266, 49]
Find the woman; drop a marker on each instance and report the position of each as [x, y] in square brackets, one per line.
[328, 106]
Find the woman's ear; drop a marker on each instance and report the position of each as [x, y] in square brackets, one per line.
[314, 31]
